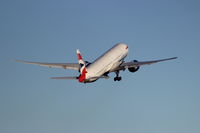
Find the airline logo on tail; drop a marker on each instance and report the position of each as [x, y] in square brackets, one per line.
[83, 70]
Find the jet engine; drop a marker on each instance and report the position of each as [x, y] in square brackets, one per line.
[133, 69]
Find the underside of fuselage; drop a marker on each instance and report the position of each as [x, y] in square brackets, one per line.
[90, 80]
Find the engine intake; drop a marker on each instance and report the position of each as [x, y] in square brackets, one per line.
[133, 69]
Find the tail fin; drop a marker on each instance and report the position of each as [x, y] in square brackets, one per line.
[80, 58]
[82, 64]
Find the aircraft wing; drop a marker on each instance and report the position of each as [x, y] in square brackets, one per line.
[140, 63]
[74, 66]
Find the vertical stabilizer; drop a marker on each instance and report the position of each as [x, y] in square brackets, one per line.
[80, 58]
[83, 69]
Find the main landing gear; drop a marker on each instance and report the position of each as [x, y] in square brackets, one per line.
[117, 78]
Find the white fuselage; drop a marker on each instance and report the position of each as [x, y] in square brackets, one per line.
[106, 63]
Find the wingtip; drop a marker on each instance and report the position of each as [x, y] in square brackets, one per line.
[18, 60]
[174, 57]
[22, 61]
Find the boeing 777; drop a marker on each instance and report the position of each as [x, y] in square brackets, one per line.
[110, 61]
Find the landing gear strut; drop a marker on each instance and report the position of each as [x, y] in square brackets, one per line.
[117, 78]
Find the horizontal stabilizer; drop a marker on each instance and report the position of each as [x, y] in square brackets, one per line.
[71, 78]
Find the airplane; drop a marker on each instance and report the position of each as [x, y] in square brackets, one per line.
[111, 61]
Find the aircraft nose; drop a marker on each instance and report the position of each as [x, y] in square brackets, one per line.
[126, 46]
[122, 46]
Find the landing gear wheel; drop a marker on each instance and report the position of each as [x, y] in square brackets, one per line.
[117, 78]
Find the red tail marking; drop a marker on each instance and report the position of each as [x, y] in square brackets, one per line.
[79, 56]
[83, 75]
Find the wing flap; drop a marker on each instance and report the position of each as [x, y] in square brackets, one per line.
[74, 66]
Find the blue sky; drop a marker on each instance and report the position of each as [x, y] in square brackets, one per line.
[163, 97]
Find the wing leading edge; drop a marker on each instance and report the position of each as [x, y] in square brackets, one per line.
[74, 66]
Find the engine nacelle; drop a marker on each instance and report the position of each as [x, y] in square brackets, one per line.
[133, 69]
